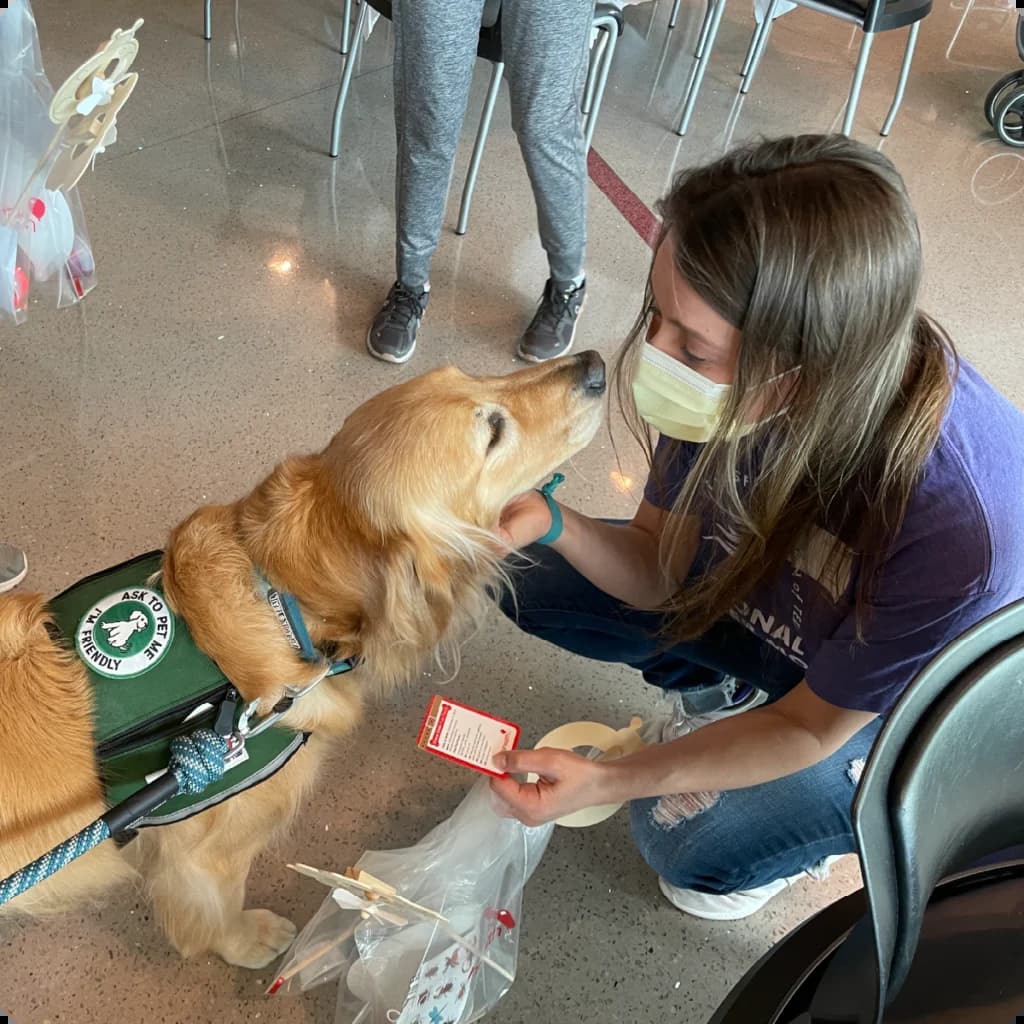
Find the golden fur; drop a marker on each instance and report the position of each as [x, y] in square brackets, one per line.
[385, 537]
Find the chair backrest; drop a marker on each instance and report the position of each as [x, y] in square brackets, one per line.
[943, 786]
[886, 15]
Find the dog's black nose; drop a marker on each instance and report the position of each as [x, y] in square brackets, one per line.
[590, 367]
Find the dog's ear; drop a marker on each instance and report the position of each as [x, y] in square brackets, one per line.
[426, 598]
[410, 608]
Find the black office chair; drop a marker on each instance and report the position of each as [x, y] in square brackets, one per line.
[943, 786]
[607, 21]
[871, 16]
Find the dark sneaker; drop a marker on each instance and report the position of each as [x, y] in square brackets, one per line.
[392, 335]
[553, 327]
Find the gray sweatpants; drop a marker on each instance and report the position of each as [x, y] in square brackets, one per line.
[545, 44]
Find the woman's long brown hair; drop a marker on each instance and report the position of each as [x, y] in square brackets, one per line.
[810, 247]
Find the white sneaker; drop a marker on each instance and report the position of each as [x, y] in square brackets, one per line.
[734, 906]
[671, 719]
[13, 567]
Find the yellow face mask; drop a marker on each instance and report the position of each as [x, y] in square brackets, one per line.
[676, 400]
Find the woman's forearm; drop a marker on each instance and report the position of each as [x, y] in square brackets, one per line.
[622, 559]
[747, 750]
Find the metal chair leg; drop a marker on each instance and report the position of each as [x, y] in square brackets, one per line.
[731, 122]
[666, 45]
[478, 148]
[208, 20]
[757, 47]
[901, 85]
[610, 27]
[346, 81]
[705, 27]
[858, 81]
[755, 40]
[346, 19]
[239, 48]
[650, 21]
[959, 27]
[674, 16]
[592, 66]
[697, 75]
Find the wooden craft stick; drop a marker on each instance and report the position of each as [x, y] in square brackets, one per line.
[366, 884]
[323, 948]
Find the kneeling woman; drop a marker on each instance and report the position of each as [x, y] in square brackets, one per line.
[834, 497]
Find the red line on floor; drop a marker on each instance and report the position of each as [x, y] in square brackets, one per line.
[639, 216]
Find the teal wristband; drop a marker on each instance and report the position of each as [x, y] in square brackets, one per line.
[556, 513]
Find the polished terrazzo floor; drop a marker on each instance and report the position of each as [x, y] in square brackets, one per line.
[238, 269]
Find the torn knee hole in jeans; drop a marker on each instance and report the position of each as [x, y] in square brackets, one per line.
[675, 808]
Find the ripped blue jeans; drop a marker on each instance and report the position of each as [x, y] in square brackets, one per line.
[717, 842]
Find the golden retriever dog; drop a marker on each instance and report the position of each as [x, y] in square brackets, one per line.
[386, 539]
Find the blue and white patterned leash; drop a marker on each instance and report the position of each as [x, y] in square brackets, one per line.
[197, 761]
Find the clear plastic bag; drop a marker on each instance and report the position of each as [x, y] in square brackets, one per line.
[401, 967]
[43, 238]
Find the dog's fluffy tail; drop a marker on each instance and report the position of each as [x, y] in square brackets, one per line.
[49, 785]
[22, 625]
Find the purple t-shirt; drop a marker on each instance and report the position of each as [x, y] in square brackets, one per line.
[958, 557]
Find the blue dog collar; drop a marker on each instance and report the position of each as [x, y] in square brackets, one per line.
[285, 607]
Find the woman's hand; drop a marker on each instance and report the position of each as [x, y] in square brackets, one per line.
[524, 520]
[566, 783]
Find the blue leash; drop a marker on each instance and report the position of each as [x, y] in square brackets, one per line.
[197, 761]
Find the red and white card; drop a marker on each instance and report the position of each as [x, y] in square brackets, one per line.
[466, 735]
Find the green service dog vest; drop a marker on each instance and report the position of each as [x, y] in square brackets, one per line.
[151, 683]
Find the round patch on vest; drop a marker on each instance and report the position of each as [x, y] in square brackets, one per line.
[125, 634]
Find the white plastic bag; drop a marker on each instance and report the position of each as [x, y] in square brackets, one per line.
[52, 241]
[399, 967]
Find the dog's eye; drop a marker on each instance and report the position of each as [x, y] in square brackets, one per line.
[497, 425]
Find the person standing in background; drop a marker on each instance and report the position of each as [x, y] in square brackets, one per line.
[545, 48]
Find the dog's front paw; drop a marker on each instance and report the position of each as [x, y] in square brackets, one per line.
[259, 938]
